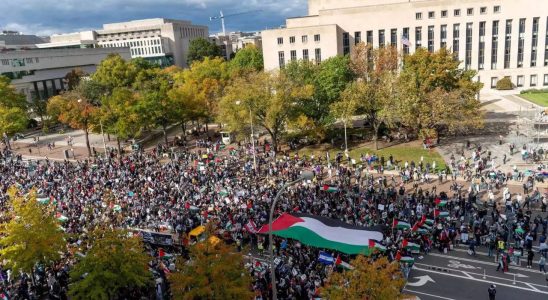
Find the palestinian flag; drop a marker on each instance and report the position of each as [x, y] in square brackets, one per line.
[441, 214]
[429, 222]
[400, 224]
[440, 203]
[376, 245]
[324, 232]
[43, 201]
[61, 218]
[422, 231]
[425, 226]
[411, 246]
[405, 259]
[340, 263]
[331, 189]
[251, 227]
[416, 227]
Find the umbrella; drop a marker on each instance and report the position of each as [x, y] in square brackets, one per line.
[520, 230]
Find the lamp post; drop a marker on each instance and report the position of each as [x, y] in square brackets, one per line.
[305, 175]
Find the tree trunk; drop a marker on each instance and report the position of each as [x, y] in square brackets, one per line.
[164, 129]
[207, 128]
[86, 131]
[119, 147]
[108, 136]
[376, 136]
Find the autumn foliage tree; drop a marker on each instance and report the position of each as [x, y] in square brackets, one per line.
[214, 271]
[372, 279]
[31, 234]
[13, 109]
[115, 266]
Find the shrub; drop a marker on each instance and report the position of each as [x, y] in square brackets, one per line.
[505, 84]
[534, 91]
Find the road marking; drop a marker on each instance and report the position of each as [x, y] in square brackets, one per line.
[483, 262]
[422, 281]
[467, 273]
[422, 293]
[481, 280]
[531, 286]
[457, 264]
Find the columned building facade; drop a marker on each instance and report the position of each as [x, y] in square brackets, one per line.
[499, 38]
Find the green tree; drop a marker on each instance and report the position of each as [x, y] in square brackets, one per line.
[426, 77]
[271, 100]
[201, 48]
[329, 79]
[375, 90]
[370, 279]
[248, 59]
[215, 271]
[31, 234]
[13, 109]
[345, 109]
[115, 266]
[114, 71]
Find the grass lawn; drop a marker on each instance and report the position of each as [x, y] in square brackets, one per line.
[401, 153]
[537, 98]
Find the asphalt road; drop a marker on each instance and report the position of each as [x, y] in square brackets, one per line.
[456, 276]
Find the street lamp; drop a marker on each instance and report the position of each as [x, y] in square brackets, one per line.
[305, 175]
[252, 136]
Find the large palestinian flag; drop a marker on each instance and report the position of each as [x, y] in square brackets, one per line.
[324, 233]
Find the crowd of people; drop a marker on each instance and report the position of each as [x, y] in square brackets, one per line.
[173, 192]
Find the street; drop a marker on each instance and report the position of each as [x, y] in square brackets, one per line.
[457, 275]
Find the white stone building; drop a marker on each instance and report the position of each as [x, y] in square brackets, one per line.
[498, 38]
[40, 73]
[162, 41]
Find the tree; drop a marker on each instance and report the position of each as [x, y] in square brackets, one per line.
[215, 271]
[115, 266]
[31, 236]
[114, 71]
[370, 279]
[329, 79]
[13, 109]
[74, 110]
[270, 98]
[345, 109]
[248, 59]
[73, 78]
[375, 91]
[424, 79]
[201, 48]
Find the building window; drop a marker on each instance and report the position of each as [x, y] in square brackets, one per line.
[292, 40]
[545, 79]
[316, 38]
[280, 41]
[357, 37]
[418, 37]
[546, 46]
[443, 36]
[318, 55]
[468, 54]
[444, 13]
[369, 37]
[494, 81]
[533, 80]
[304, 38]
[394, 37]
[405, 40]
[431, 15]
[496, 9]
[281, 59]
[470, 11]
[293, 55]
[534, 43]
[381, 38]
[456, 39]
[5, 62]
[430, 38]
[456, 12]
[346, 43]
[418, 16]
[481, 50]
[507, 44]
[520, 81]
[494, 45]
[521, 42]
[483, 10]
[305, 54]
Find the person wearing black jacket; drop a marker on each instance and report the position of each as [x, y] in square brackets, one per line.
[492, 292]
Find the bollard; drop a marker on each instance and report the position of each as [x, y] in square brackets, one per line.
[514, 279]
[484, 274]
